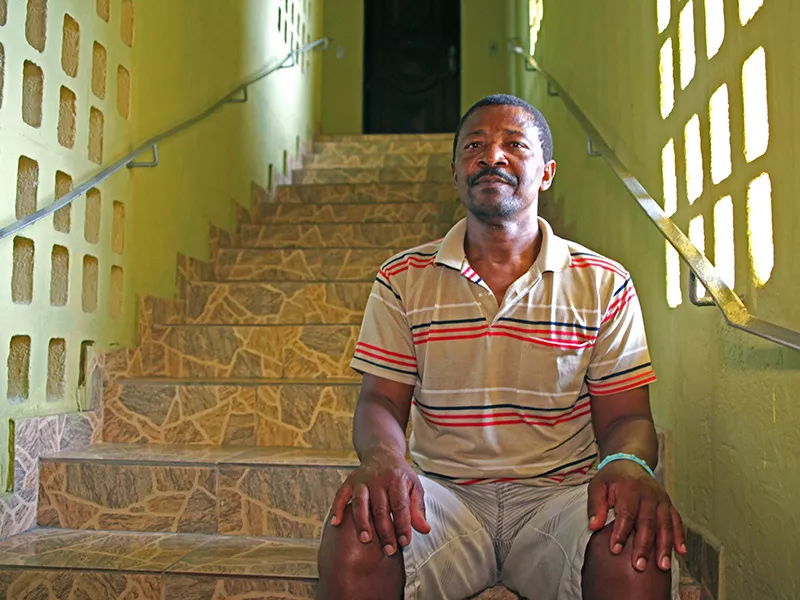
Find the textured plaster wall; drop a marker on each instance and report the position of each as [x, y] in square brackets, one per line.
[65, 282]
[728, 399]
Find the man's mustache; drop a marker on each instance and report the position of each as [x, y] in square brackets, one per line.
[492, 171]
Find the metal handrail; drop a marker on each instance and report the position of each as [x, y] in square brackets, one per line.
[152, 144]
[730, 305]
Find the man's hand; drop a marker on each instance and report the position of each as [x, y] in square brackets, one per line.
[643, 508]
[386, 492]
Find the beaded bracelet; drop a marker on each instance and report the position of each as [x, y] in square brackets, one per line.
[622, 456]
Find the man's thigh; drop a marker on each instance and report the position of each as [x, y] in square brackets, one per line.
[456, 559]
[546, 559]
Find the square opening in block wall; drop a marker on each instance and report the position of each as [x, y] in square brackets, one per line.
[94, 210]
[89, 287]
[67, 117]
[62, 218]
[19, 365]
[2, 71]
[59, 276]
[126, 23]
[103, 9]
[22, 271]
[27, 186]
[118, 229]
[56, 369]
[123, 91]
[117, 292]
[3, 12]
[32, 91]
[83, 359]
[99, 67]
[36, 24]
[96, 124]
[70, 46]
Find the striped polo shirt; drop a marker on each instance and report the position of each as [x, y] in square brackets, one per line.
[501, 389]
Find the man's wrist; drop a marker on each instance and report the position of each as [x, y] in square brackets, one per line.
[624, 456]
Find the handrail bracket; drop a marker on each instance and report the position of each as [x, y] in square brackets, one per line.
[146, 165]
[241, 100]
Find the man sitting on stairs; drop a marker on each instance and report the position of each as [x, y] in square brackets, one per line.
[522, 360]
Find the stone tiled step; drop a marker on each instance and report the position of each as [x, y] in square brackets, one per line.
[250, 351]
[285, 302]
[386, 212]
[115, 565]
[366, 193]
[61, 564]
[433, 174]
[417, 159]
[263, 412]
[310, 264]
[341, 235]
[382, 137]
[231, 490]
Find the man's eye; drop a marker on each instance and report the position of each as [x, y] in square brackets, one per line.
[517, 144]
[471, 145]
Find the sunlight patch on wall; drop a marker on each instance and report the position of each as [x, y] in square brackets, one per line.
[720, 124]
[674, 294]
[724, 253]
[759, 229]
[666, 71]
[535, 17]
[715, 26]
[694, 159]
[669, 178]
[688, 52]
[748, 10]
[697, 236]
[663, 12]
[756, 111]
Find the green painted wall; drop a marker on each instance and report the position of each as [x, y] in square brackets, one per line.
[343, 67]
[728, 398]
[187, 59]
[485, 68]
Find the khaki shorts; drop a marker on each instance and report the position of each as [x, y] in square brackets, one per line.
[532, 540]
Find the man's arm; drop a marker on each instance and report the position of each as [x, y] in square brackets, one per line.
[384, 490]
[623, 423]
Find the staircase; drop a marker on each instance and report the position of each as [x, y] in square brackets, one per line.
[227, 433]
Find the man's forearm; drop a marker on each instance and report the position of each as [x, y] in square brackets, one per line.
[378, 428]
[632, 436]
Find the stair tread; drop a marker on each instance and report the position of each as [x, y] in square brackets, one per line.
[240, 381]
[178, 553]
[199, 455]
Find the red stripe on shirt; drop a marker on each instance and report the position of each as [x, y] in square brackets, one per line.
[632, 386]
[387, 352]
[486, 415]
[620, 303]
[582, 263]
[517, 421]
[618, 382]
[538, 341]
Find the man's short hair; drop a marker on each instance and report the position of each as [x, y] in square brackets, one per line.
[545, 136]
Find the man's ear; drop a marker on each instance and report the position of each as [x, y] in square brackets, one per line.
[454, 175]
[548, 175]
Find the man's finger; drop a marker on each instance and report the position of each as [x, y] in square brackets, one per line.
[645, 536]
[598, 504]
[678, 530]
[340, 501]
[419, 520]
[399, 503]
[361, 514]
[626, 509]
[382, 519]
[664, 537]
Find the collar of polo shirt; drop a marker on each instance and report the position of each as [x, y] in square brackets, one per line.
[554, 255]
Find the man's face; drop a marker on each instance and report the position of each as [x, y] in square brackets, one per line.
[499, 168]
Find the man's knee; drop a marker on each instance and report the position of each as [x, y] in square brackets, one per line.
[604, 571]
[341, 552]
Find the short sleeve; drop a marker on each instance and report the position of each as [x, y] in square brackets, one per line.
[620, 360]
[385, 345]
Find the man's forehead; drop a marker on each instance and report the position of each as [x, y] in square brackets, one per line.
[500, 117]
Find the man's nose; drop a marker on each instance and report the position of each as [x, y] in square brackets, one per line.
[493, 156]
